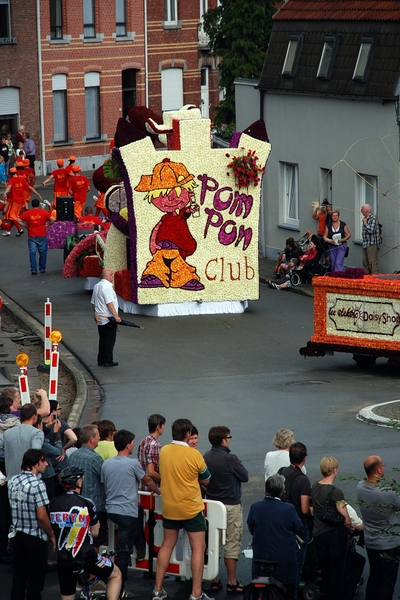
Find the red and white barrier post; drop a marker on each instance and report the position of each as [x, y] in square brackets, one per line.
[47, 331]
[22, 361]
[55, 338]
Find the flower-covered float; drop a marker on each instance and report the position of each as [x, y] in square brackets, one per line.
[356, 314]
[184, 234]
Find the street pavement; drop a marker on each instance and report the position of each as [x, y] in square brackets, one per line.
[241, 370]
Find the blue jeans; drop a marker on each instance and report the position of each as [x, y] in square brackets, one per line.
[128, 527]
[37, 244]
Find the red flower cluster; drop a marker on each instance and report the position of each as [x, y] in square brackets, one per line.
[245, 169]
[122, 284]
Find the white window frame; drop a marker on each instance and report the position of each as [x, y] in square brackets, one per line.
[203, 8]
[8, 19]
[120, 18]
[328, 56]
[364, 58]
[366, 193]
[171, 89]
[89, 19]
[290, 194]
[59, 89]
[293, 51]
[92, 91]
[171, 11]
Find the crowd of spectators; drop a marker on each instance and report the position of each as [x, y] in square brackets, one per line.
[90, 475]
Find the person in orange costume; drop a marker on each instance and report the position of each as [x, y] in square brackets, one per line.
[68, 168]
[31, 172]
[22, 172]
[79, 187]
[100, 206]
[90, 218]
[60, 177]
[170, 189]
[14, 194]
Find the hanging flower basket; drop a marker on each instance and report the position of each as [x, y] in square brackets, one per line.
[245, 169]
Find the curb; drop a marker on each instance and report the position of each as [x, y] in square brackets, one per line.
[369, 416]
[293, 289]
[80, 383]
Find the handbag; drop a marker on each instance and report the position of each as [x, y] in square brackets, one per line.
[328, 517]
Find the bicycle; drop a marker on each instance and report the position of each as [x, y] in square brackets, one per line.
[84, 579]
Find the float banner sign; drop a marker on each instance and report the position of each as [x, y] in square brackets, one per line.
[369, 317]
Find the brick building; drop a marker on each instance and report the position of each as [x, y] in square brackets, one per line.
[92, 62]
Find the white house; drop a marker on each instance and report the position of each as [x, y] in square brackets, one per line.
[329, 94]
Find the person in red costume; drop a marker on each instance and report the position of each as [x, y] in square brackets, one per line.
[60, 177]
[90, 218]
[170, 189]
[79, 187]
[15, 195]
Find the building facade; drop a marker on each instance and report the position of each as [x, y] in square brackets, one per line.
[329, 93]
[72, 68]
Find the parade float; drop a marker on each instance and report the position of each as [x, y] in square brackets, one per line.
[356, 313]
[184, 233]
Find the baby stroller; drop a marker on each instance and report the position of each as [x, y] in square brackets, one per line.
[313, 268]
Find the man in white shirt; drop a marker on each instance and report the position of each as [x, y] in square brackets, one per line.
[105, 305]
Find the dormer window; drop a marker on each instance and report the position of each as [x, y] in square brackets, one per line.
[292, 55]
[364, 59]
[328, 56]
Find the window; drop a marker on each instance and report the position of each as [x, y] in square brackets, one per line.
[120, 17]
[92, 105]
[171, 11]
[203, 8]
[89, 26]
[5, 29]
[364, 59]
[325, 187]
[128, 90]
[171, 89]
[204, 92]
[60, 112]
[290, 194]
[328, 56]
[366, 193]
[292, 55]
[56, 22]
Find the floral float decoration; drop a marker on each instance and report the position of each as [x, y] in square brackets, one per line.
[245, 169]
[182, 228]
[86, 258]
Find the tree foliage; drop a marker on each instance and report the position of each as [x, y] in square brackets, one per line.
[238, 31]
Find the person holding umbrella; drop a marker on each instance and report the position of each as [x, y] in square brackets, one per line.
[105, 306]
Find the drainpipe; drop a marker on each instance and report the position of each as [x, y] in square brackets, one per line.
[41, 111]
[146, 58]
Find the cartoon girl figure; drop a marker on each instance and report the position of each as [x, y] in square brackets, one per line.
[170, 189]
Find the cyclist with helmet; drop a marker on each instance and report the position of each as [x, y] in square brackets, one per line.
[74, 522]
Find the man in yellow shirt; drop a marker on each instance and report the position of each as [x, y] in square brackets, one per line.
[182, 470]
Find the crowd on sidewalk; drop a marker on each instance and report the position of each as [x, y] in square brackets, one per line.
[63, 487]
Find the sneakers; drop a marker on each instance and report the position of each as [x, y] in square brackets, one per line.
[159, 594]
[6, 233]
[20, 233]
[202, 597]
[276, 286]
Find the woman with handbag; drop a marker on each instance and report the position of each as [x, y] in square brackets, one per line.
[331, 528]
[337, 234]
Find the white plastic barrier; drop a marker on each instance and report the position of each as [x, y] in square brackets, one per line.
[215, 513]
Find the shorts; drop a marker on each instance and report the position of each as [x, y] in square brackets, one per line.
[197, 523]
[94, 564]
[234, 531]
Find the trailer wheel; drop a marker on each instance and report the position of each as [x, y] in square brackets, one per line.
[311, 592]
[364, 360]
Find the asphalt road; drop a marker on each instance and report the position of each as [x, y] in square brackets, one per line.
[240, 370]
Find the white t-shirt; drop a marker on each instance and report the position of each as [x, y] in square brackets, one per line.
[103, 293]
